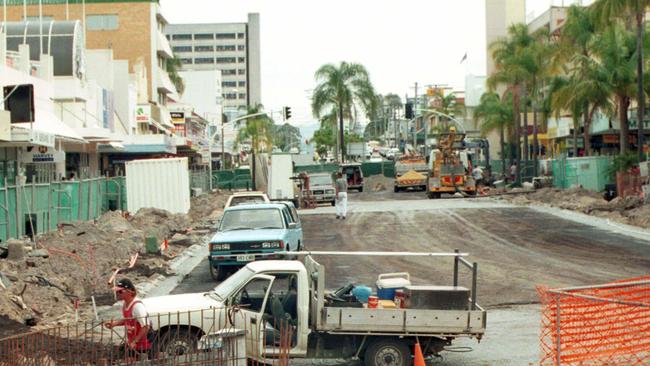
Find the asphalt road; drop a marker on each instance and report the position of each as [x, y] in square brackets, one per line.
[516, 248]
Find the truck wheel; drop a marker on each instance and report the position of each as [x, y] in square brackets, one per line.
[396, 189]
[334, 203]
[178, 341]
[388, 352]
[433, 195]
[360, 189]
[217, 273]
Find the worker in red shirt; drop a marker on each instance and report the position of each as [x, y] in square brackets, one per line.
[134, 319]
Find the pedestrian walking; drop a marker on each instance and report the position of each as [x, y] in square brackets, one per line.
[134, 320]
[513, 172]
[341, 196]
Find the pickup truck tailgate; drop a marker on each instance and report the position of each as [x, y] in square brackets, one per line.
[447, 322]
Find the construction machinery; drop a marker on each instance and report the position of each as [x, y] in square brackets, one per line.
[447, 173]
[410, 172]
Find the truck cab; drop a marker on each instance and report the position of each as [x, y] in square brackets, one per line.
[286, 312]
[252, 232]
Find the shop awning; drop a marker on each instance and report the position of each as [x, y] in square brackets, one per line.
[47, 122]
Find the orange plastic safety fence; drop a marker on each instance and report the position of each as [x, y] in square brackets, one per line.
[596, 325]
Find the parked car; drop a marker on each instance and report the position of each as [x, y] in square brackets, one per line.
[240, 198]
[321, 187]
[352, 172]
[252, 232]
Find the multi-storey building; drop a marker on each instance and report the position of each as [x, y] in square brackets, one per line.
[232, 48]
[133, 29]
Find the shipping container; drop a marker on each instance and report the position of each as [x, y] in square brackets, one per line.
[158, 183]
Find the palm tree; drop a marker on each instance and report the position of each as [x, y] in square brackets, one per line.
[609, 9]
[342, 87]
[259, 132]
[495, 114]
[615, 51]
[514, 61]
[589, 86]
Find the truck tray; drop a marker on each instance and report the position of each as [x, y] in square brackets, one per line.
[404, 321]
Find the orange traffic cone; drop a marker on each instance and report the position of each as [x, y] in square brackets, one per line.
[418, 358]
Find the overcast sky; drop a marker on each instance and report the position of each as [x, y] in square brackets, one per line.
[399, 42]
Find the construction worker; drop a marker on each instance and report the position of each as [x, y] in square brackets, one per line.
[134, 319]
[341, 196]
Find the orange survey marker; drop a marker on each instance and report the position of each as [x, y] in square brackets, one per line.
[134, 258]
[605, 324]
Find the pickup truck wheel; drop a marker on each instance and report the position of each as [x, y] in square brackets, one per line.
[333, 202]
[396, 189]
[217, 273]
[178, 342]
[388, 352]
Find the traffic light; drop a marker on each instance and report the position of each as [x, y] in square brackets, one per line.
[286, 113]
[408, 111]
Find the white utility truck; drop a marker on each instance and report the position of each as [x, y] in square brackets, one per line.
[322, 324]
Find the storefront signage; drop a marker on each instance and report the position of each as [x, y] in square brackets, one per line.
[611, 139]
[41, 154]
[178, 118]
[143, 114]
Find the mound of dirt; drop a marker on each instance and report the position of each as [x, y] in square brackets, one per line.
[75, 262]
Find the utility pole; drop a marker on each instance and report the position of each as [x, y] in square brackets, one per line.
[415, 119]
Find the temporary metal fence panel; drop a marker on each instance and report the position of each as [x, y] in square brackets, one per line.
[388, 168]
[596, 325]
[200, 179]
[158, 183]
[232, 179]
[316, 168]
[114, 194]
[592, 173]
[36, 208]
[213, 336]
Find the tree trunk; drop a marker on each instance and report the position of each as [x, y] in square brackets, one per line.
[586, 120]
[516, 100]
[575, 136]
[341, 133]
[640, 92]
[535, 140]
[525, 131]
[623, 105]
[587, 134]
[502, 141]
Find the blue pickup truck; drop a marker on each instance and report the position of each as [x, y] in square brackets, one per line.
[253, 231]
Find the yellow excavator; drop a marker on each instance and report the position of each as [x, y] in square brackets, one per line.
[447, 174]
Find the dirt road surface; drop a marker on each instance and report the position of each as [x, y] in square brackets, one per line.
[516, 248]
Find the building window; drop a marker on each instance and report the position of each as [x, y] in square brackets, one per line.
[204, 60]
[242, 95]
[241, 60]
[186, 61]
[229, 72]
[204, 36]
[240, 35]
[181, 37]
[241, 47]
[225, 48]
[228, 84]
[230, 95]
[242, 83]
[225, 35]
[203, 48]
[226, 60]
[241, 71]
[182, 49]
[102, 22]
